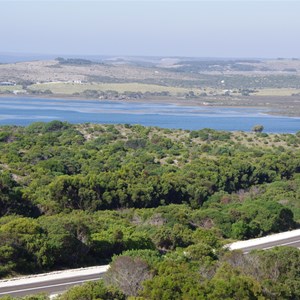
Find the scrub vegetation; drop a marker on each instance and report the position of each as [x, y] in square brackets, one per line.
[158, 204]
[272, 84]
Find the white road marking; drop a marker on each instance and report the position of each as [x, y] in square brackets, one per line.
[53, 276]
[284, 244]
[48, 286]
[264, 240]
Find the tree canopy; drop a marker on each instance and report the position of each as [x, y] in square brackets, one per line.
[161, 202]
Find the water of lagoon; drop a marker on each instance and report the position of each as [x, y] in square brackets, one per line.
[24, 111]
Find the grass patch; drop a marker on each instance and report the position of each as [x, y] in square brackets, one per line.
[10, 88]
[277, 92]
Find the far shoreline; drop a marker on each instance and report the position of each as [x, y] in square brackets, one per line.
[268, 110]
[21, 110]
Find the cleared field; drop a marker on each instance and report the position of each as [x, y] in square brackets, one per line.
[8, 88]
[277, 92]
[71, 88]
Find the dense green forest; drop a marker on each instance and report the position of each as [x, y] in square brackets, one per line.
[159, 203]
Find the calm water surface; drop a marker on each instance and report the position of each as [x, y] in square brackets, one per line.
[23, 111]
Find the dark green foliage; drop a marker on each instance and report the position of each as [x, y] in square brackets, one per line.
[93, 291]
[74, 61]
[174, 281]
[11, 201]
[152, 257]
[277, 270]
[62, 171]
[210, 135]
[228, 283]
[160, 200]
[4, 135]
[281, 272]
[258, 128]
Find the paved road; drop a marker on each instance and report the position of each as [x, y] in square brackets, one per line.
[54, 283]
[288, 238]
[292, 242]
[51, 286]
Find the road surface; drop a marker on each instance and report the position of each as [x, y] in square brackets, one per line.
[50, 283]
[293, 242]
[57, 282]
[289, 238]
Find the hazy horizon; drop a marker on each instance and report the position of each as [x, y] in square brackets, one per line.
[87, 56]
[202, 29]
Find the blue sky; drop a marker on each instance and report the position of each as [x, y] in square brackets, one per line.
[153, 28]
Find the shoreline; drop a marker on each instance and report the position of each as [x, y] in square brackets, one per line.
[169, 114]
[269, 110]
